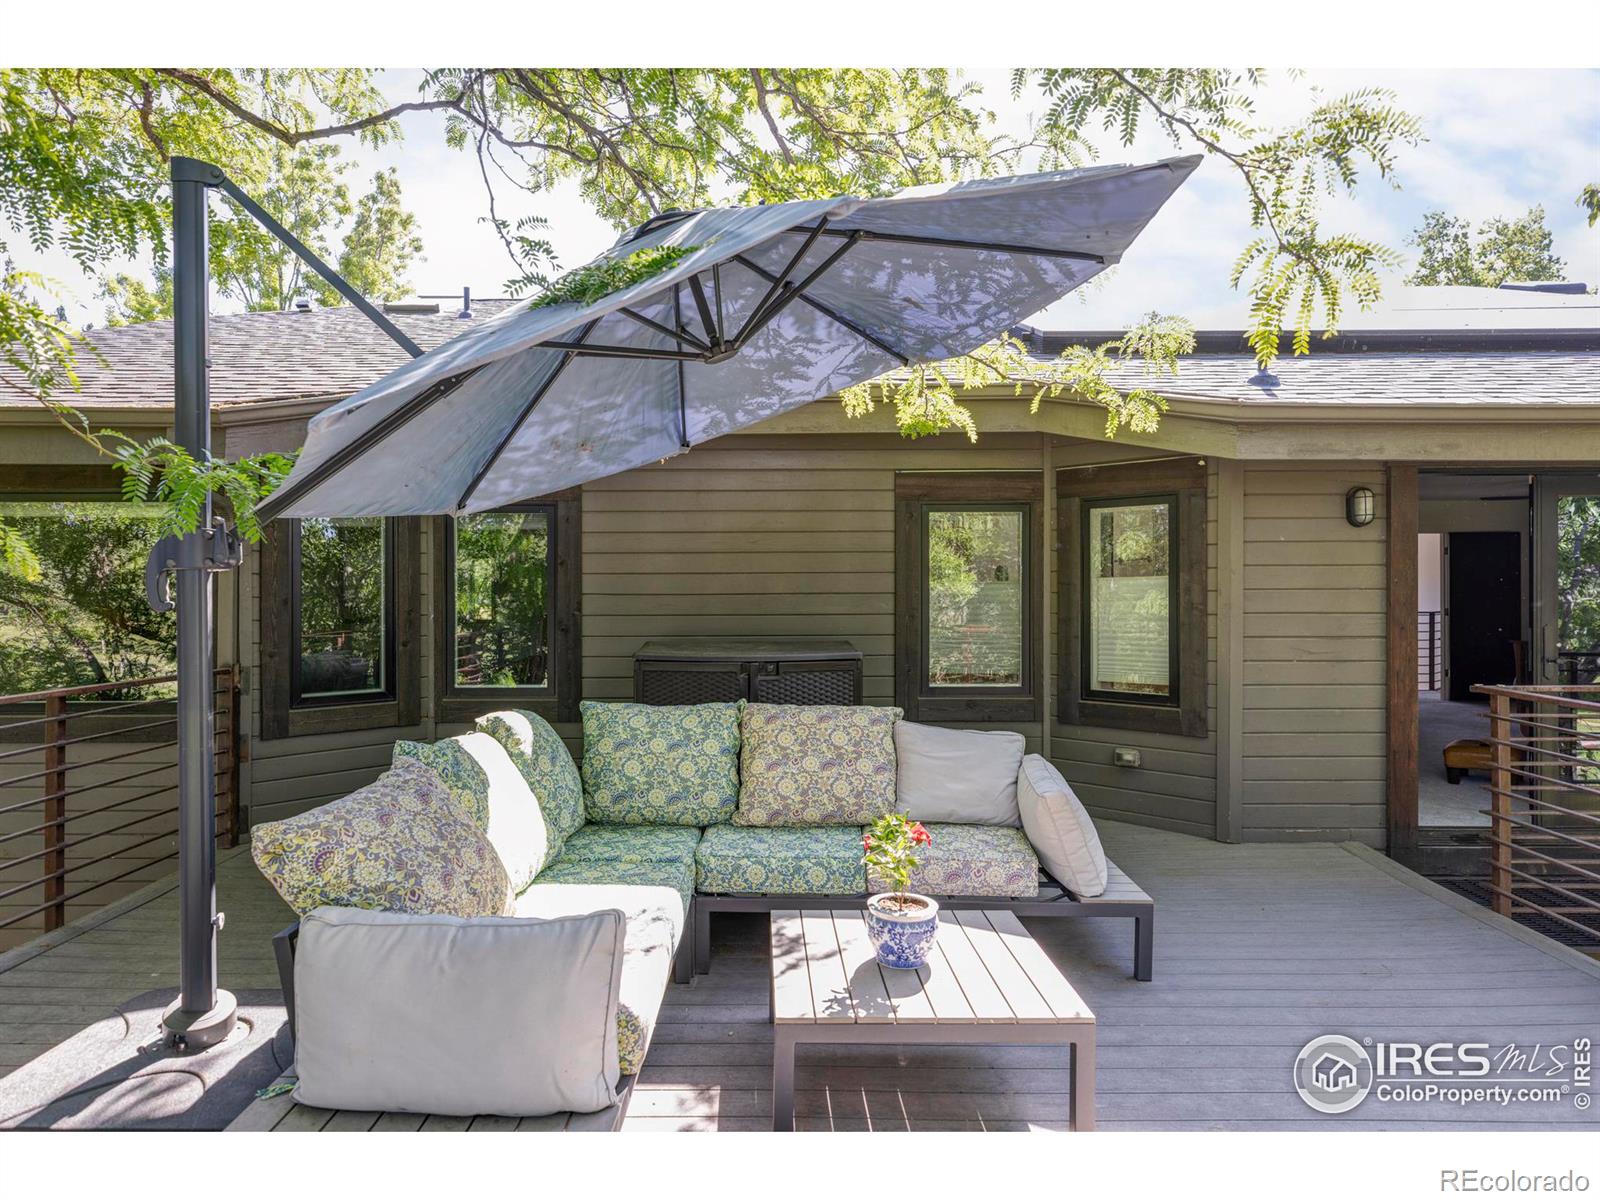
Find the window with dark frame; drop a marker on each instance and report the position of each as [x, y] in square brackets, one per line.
[967, 636]
[340, 625]
[1132, 600]
[507, 598]
[343, 623]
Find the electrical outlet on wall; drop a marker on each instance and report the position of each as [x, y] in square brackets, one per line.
[1125, 756]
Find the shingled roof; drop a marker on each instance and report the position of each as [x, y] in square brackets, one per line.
[257, 357]
[329, 353]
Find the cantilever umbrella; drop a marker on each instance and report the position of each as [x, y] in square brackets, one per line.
[774, 307]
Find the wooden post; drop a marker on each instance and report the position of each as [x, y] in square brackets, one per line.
[1500, 801]
[1401, 652]
[55, 812]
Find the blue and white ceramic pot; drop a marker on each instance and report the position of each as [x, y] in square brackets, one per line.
[902, 935]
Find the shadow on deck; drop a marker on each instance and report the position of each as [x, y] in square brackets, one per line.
[1259, 948]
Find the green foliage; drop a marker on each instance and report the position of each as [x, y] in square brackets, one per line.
[380, 246]
[600, 279]
[639, 141]
[1589, 201]
[890, 846]
[925, 397]
[1515, 248]
[1578, 573]
[1297, 270]
[80, 615]
[131, 301]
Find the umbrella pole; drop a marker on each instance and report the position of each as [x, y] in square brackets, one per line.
[202, 1015]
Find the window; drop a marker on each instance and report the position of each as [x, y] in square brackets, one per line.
[1133, 596]
[501, 630]
[966, 610]
[343, 648]
[340, 625]
[1128, 605]
[507, 629]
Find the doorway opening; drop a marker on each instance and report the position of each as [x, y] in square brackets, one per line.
[1474, 626]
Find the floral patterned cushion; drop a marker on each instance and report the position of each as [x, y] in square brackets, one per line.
[678, 876]
[650, 765]
[400, 844]
[546, 763]
[633, 844]
[791, 861]
[467, 780]
[973, 860]
[823, 764]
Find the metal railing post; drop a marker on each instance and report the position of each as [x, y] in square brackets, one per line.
[55, 812]
[1500, 801]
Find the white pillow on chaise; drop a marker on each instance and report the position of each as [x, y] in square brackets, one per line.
[963, 776]
[1059, 827]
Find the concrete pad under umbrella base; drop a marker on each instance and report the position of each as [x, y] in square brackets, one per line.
[117, 1074]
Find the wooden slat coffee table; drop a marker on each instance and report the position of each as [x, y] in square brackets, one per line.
[987, 982]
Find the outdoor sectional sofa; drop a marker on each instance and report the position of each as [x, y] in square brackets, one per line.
[678, 812]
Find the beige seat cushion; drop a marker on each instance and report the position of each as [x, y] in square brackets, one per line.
[655, 919]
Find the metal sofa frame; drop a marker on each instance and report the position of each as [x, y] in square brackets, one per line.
[1122, 898]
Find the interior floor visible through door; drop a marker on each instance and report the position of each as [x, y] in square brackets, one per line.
[1440, 802]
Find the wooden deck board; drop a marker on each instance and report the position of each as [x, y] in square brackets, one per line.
[1258, 949]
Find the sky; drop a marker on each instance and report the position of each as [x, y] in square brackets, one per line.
[1498, 142]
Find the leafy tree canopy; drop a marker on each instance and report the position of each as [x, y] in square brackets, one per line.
[1505, 248]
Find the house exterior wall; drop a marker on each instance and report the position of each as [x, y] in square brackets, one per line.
[1313, 731]
[1175, 785]
[793, 536]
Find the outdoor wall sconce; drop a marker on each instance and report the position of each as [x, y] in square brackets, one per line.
[1360, 507]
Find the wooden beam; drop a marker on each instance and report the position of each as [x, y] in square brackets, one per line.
[1401, 655]
[1230, 650]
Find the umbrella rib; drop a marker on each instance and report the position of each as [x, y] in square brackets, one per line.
[683, 412]
[873, 235]
[761, 320]
[586, 351]
[522, 417]
[815, 232]
[704, 308]
[682, 336]
[337, 461]
[838, 318]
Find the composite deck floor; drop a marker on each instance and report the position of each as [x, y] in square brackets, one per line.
[1259, 948]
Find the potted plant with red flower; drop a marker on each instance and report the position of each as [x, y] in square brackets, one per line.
[902, 924]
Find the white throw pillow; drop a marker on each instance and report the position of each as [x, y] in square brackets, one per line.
[501, 1016]
[516, 827]
[966, 776]
[1059, 827]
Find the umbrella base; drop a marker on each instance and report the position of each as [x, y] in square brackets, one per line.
[188, 1031]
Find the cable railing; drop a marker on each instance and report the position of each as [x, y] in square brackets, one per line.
[1544, 809]
[89, 795]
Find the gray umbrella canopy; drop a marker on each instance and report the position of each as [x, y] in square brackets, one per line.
[777, 306]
